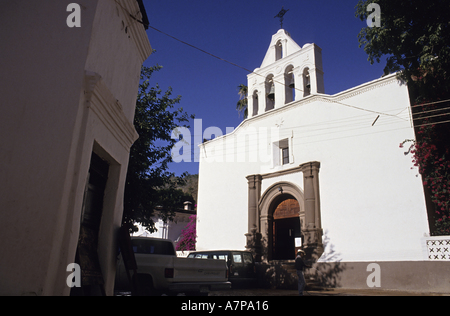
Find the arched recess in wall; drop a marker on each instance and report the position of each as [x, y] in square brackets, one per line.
[255, 103]
[270, 93]
[278, 50]
[306, 82]
[289, 84]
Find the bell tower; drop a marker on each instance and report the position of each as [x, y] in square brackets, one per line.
[288, 73]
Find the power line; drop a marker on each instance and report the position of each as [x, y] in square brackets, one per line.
[330, 126]
[322, 98]
[147, 25]
[435, 102]
[238, 152]
[435, 110]
[181, 41]
[340, 126]
[236, 65]
[243, 147]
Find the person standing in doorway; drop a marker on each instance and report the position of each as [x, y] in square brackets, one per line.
[300, 265]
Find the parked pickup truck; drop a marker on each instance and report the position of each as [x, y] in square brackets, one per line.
[160, 271]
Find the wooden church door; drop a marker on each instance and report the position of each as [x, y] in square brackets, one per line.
[286, 228]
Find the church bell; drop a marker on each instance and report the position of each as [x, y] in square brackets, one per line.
[292, 84]
[308, 82]
[271, 95]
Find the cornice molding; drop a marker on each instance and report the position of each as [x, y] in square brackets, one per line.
[109, 110]
[339, 97]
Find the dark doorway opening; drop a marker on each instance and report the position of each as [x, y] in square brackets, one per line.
[286, 230]
[92, 282]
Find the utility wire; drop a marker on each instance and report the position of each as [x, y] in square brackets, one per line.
[314, 130]
[234, 64]
[238, 152]
[147, 25]
[322, 98]
[435, 102]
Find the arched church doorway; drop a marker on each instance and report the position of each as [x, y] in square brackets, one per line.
[267, 214]
[286, 229]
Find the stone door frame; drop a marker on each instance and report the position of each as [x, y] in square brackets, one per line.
[261, 208]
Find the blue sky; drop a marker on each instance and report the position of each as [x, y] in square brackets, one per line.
[240, 32]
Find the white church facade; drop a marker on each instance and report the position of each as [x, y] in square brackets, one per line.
[319, 172]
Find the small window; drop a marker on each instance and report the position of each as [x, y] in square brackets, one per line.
[285, 155]
[281, 153]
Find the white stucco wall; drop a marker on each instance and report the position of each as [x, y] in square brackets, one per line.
[372, 202]
[171, 230]
[60, 103]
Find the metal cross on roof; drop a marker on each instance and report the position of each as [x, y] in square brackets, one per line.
[280, 15]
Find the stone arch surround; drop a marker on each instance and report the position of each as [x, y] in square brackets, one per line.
[270, 200]
[261, 208]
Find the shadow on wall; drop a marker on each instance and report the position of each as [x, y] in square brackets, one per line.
[283, 275]
[273, 274]
[279, 275]
[328, 270]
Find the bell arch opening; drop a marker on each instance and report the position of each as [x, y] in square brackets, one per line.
[289, 84]
[255, 103]
[278, 50]
[270, 93]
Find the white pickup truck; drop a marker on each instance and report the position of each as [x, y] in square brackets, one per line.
[160, 271]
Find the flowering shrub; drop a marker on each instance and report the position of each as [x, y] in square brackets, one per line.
[188, 236]
[431, 155]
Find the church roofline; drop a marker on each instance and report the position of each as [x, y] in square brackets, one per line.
[338, 97]
[332, 98]
[290, 47]
[306, 48]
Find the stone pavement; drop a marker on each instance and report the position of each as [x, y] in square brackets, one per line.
[322, 292]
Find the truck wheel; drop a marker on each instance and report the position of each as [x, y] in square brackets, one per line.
[144, 286]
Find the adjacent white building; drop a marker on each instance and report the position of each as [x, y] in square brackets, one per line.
[170, 228]
[68, 94]
[317, 171]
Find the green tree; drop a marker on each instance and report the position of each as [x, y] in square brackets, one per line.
[242, 104]
[415, 38]
[149, 184]
[191, 186]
